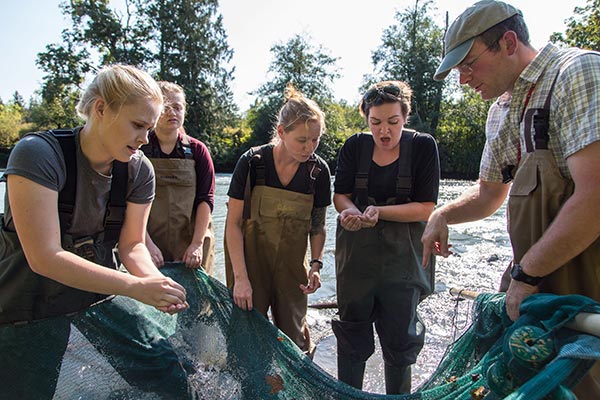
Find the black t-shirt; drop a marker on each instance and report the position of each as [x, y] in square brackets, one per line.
[298, 184]
[382, 179]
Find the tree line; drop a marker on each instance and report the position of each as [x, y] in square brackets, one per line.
[184, 41]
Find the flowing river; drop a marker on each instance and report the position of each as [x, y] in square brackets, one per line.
[481, 252]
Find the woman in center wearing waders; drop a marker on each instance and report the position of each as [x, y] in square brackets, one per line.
[278, 196]
[180, 225]
[386, 186]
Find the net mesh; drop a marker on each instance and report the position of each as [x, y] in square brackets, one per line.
[122, 349]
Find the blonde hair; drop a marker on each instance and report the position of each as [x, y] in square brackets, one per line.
[298, 109]
[168, 88]
[118, 85]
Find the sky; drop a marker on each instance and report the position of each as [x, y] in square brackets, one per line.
[347, 29]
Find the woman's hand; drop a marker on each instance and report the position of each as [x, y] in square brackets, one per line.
[242, 294]
[161, 292]
[370, 217]
[350, 219]
[314, 281]
[193, 256]
[155, 254]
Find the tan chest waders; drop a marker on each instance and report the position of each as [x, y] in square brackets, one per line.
[172, 217]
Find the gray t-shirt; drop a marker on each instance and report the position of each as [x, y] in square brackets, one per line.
[39, 158]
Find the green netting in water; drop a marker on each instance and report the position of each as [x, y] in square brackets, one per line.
[122, 349]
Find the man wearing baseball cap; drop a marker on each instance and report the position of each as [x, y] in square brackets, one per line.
[542, 145]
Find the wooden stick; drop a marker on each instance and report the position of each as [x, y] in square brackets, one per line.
[464, 293]
[324, 305]
[583, 322]
[586, 323]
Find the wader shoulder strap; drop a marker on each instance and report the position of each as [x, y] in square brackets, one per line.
[183, 146]
[539, 118]
[66, 197]
[256, 161]
[313, 172]
[404, 178]
[186, 147]
[364, 157]
[115, 211]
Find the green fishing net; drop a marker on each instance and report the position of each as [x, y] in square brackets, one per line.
[214, 350]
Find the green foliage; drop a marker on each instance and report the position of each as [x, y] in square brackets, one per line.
[583, 29]
[178, 40]
[461, 134]
[11, 120]
[56, 112]
[342, 121]
[193, 53]
[115, 37]
[262, 119]
[298, 61]
[410, 52]
[308, 67]
[228, 145]
[66, 66]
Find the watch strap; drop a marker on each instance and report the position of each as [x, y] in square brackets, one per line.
[518, 274]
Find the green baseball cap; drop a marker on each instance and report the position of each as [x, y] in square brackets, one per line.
[475, 20]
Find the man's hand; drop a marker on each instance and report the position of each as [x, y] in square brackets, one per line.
[435, 237]
[517, 292]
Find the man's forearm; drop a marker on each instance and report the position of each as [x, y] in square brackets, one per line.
[478, 202]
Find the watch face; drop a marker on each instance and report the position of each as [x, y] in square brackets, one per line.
[518, 275]
[515, 271]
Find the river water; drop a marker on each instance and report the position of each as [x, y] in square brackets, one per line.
[481, 252]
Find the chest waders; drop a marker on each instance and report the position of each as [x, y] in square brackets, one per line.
[536, 196]
[380, 281]
[118, 333]
[172, 217]
[27, 296]
[275, 243]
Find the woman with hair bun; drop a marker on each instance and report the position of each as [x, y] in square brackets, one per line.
[278, 197]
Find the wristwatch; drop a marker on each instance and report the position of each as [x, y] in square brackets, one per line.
[518, 275]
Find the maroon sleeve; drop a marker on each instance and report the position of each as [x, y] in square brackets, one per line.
[205, 174]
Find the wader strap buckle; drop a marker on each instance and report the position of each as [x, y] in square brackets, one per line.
[508, 173]
[84, 247]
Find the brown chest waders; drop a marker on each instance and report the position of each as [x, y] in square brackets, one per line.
[172, 217]
[275, 245]
[536, 197]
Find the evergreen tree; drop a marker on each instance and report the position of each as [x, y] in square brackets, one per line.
[177, 40]
[194, 53]
[308, 67]
[410, 52]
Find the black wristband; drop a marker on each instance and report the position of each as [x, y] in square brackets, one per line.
[518, 274]
[316, 260]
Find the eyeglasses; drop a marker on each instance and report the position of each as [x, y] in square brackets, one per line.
[377, 93]
[467, 68]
